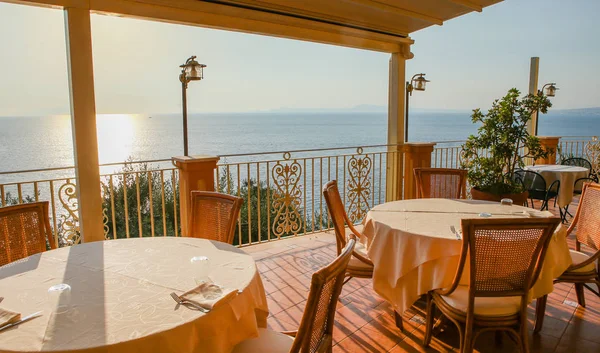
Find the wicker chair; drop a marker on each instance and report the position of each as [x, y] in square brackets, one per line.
[24, 231]
[214, 216]
[583, 270]
[440, 183]
[315, 334]
[360, 265]
[505, 257]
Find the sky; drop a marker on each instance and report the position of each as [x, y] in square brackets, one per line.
[470, 61]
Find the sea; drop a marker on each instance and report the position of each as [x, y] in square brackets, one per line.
[45, 141]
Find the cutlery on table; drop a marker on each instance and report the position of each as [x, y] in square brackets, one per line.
[26, 318]
[187, 302]
[457, 234]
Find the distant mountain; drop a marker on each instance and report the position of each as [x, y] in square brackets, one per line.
[576, 112]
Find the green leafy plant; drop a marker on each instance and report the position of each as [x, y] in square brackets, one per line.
[503, 143]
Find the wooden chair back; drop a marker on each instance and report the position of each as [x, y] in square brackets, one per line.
[315, 333]
[506, 254]
[443, 183]
[587, 218]
[337, 211]
[214, 216]
[24, 230]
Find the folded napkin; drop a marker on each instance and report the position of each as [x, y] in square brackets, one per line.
[536, 214]
[8, 317]
[209, 295]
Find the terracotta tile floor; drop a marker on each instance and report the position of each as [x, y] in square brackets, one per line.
[365, 323]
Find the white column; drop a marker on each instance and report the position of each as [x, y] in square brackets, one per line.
[533, 85]
[83, 122]
[396, 104]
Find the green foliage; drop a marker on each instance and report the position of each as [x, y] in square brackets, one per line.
[10, 200]
[126, 185]
[503, 142]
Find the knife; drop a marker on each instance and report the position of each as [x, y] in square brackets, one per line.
[26, 318]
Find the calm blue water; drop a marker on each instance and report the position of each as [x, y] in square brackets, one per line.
[45, 142]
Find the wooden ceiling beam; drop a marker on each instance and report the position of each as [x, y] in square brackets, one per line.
[468, 4]
[399, 11]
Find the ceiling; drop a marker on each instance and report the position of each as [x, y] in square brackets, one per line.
[390, 17]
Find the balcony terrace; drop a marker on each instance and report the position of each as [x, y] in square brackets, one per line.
[365, 322]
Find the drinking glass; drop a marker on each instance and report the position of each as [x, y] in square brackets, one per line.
[201, 269]
[60, 297]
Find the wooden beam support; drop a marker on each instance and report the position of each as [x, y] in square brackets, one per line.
[83, 121]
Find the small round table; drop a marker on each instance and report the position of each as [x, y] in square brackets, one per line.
[119, 299]
[415, 246]
[566, 174]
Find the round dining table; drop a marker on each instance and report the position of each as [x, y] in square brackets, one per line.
[415, 246]
[567, 175]
[119, 298]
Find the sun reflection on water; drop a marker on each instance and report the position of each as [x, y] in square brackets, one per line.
[116, 134]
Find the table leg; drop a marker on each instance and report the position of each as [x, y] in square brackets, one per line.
[398, 319]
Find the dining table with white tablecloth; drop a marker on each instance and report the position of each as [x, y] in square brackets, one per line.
[566, 174]
[119, 298]
[415, 246]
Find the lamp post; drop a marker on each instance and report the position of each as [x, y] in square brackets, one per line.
[549, 89]
[190, 71]
[417, 82]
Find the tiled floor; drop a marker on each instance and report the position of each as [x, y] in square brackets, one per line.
[365, 323]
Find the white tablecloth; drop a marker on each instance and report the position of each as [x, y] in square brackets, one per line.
[414, 249]
[566, 174]
[120, 302]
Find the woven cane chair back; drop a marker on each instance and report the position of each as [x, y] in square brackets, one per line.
[214, 216]
[506, 254]
[24, 231]
[587, 218]
[316, 327]
[443, 183]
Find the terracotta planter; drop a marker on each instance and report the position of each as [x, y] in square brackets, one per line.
[518, 199]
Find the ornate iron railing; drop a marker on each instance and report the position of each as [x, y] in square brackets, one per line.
[139, 198]
[282, 190]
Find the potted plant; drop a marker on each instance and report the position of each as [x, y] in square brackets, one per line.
[501, 146]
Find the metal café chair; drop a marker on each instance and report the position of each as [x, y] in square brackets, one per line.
[536, 186]
[581, 162]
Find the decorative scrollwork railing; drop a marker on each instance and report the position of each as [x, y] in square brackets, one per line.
[287, 198]
[359, 185]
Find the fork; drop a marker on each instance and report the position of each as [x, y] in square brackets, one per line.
[187, 302]
[457, 234]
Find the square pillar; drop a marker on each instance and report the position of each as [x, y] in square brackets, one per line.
[195, 173]
[83, 122]
[416, 155]
[549, 143]
[396, 122]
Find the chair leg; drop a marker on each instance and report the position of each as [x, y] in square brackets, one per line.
[428, 321]
[580, 294]
[540, 313]
[524, 334]
[469, 337]
[398, 319]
